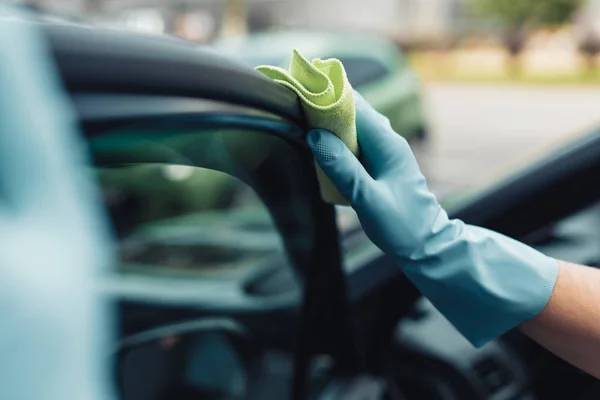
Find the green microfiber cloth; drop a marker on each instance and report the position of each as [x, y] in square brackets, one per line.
[328, 102]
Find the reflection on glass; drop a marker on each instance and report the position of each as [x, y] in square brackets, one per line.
[191, 201]
[183, 218]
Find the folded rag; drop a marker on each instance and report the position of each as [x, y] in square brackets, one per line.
[328, 102]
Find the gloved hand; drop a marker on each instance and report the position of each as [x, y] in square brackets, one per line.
[483, 282]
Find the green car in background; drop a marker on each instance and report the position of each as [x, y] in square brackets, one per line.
[376, 68]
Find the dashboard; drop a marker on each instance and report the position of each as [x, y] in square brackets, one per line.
[575, 239]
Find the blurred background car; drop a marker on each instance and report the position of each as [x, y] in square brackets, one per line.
[376, 67]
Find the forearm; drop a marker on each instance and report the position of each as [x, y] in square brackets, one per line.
[483, 282]
[569, 325]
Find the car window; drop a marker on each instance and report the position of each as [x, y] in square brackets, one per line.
[362, 70]
[186, 219]
[205, 206]
[210, 218]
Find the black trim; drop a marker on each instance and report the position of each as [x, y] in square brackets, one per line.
[208, 120]
[110, 106]
[95, 60]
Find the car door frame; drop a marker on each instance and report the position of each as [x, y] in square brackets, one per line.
[117, 78]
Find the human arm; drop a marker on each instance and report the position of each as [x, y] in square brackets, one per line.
[483, 282]
[569, 325]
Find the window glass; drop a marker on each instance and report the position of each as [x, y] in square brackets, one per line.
[211, 202]
[186, 219]
[228, 213]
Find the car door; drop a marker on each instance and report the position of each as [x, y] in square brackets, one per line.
[226, 251]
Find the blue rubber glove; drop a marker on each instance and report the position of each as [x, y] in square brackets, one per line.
[483, 282]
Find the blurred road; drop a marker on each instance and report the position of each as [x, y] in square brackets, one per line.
[482, 131]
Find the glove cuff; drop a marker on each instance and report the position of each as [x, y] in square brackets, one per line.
[483, 282]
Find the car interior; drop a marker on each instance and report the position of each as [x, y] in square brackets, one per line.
[236, 281]
[233, 225]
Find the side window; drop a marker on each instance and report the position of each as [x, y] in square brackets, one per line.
[362, 70]
[184, 219]
[224, 219]
[204, 202]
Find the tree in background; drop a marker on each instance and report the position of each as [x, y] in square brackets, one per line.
[235, 18]
[555, 12]
[589, 46]
[518, 17]
[588, 36]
